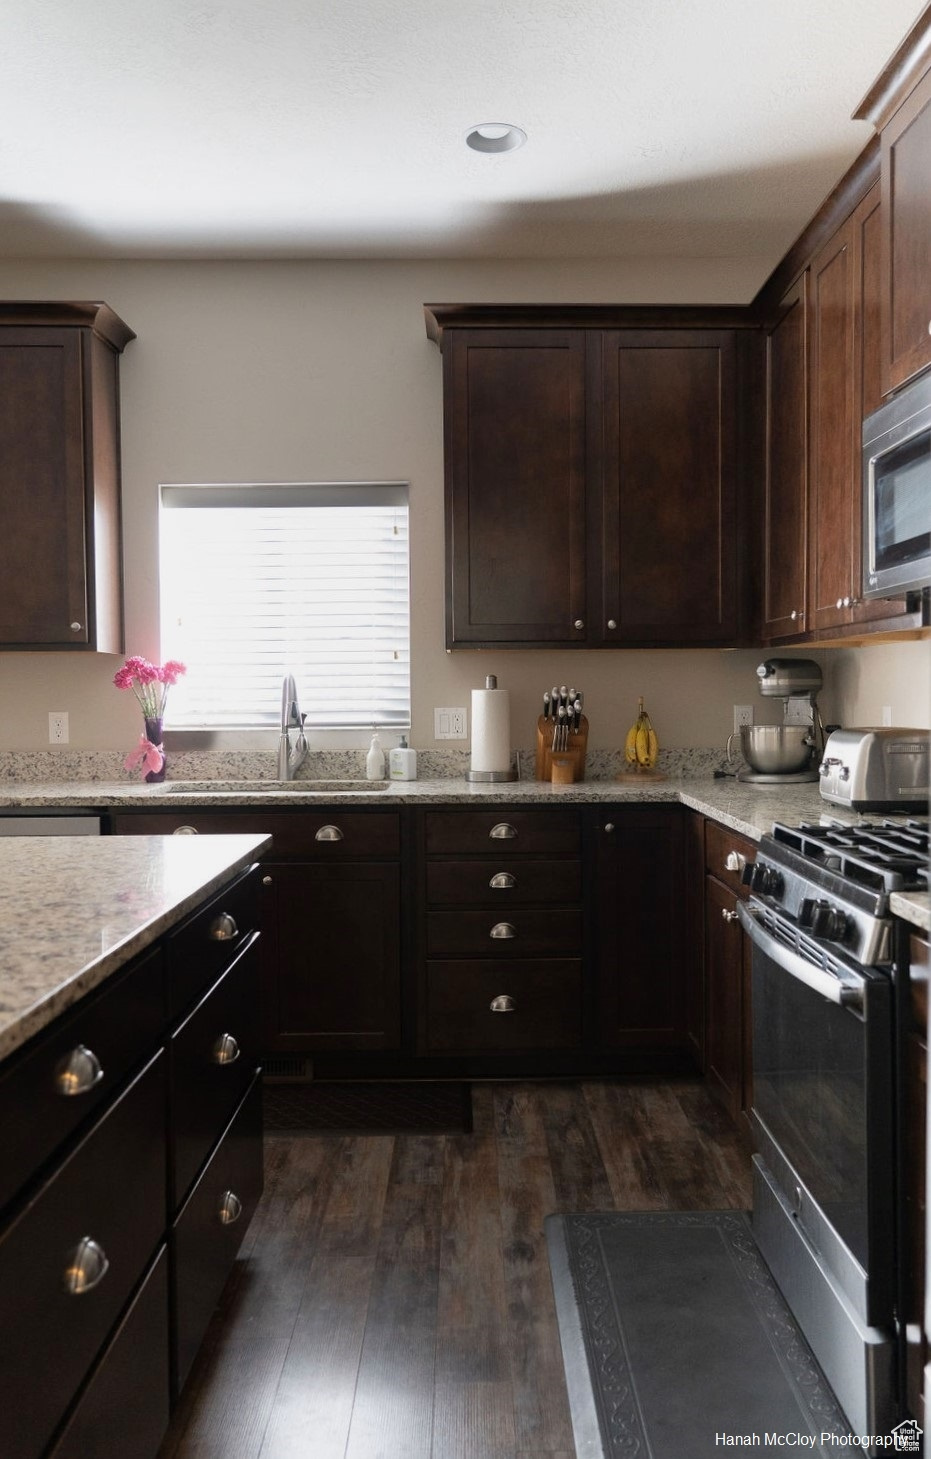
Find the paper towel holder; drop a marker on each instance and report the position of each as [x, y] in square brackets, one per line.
[490, 777]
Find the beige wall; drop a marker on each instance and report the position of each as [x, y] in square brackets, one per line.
[295, 371]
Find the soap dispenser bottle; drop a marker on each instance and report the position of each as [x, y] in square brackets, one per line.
[402, 762]
[375, 760]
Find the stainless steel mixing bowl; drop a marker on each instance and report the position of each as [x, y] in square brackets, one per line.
[774, 749]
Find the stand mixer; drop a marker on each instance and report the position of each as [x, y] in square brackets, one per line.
[791, 751]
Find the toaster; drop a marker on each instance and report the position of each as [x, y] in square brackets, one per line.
[876, 769]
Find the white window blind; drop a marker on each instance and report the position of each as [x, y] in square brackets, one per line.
[261, 580]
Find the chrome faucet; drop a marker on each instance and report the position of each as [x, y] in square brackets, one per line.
[290, 757]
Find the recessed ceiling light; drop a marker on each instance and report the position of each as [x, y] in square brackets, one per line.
[495, 137]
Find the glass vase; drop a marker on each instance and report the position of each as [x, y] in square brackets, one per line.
[153, 733]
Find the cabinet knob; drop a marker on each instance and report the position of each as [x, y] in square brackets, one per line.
[579, 623]
[734, 861]
[266, 881]
[504, 1003]
[503, 879]
[76, 628]
[230, 1208]
[503, 930]
[609, 828]
[612, 623]
[226, 1050]
[77, 1072]
[185, 831]
[223, 928]
[87, 1267]
[329, 833]
[502, 832]
[728, 916]
[841, 602]
[795, 615]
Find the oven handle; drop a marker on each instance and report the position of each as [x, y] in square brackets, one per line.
[817, 979]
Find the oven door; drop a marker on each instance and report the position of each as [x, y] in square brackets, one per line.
[823, 1111]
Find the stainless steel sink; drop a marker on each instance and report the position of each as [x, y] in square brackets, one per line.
[274, 787]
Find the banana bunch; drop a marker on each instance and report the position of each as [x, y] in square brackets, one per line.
[641, 747]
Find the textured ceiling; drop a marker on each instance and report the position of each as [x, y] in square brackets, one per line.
[295, 128]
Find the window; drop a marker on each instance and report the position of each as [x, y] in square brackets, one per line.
[261, 580]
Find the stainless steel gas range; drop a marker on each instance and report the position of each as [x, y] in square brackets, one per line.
[829, 992]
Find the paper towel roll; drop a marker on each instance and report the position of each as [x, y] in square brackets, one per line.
[491, 729]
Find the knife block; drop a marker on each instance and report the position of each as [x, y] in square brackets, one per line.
[575, 754]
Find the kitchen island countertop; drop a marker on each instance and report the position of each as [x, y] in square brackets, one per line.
[73, 910]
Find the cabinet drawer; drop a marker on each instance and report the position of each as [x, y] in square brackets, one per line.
[503, 831]
[362, 832]
[520, 882]
[545, 994]
[128, 1391]
[56, 1084]
[199, 950]
[209, 1231]
[111, 1189]
[213, 1057]
[726, 854]
[521, 933]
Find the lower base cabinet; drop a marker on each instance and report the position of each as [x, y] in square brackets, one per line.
[132, 1197]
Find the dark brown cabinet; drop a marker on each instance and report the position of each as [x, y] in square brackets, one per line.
[516, 484]
[591, 483]
[663, 525]
[501, 935]
[60, 547]
[331, 920]
[639, 968]
[728, 1063]
[906, 266]
[785, 509]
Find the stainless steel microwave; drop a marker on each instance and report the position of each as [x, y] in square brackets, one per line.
[897, 494]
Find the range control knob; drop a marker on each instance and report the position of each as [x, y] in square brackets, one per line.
[766, 880]
[823, 920]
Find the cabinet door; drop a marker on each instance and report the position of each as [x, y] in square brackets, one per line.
[666, 528]
[640, 970]
[515, 486]
[43, 584]
[725, 1017]
[906, 184]
[334, 967]
[786, 499]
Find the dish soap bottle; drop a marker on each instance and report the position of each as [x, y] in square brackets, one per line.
[402, 762]
[375, 760]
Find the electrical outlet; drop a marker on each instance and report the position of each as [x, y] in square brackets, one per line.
[58, 727]
[450, 724]
[743, 715]
[887, 714]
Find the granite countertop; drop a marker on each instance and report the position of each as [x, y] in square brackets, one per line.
[747, 809]
[75, 909]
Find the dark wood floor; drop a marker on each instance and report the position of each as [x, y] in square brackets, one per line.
[392, 1298]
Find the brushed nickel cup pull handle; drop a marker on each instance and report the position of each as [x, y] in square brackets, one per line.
[728, 916]
[230, 1208]
[87, 1267]
[502, 832]
[226, 1050]
[186, 831]
[329, 833]
[504, 1003]
[223, 928]
[502, 930]
[77, 1072]
[503, 879]
[734, 861]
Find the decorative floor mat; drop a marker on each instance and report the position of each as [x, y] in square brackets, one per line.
[677, 1344]
[428, 1108]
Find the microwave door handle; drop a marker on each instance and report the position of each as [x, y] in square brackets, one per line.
[829, 987]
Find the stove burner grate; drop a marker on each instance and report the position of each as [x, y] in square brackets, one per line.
[889, 856]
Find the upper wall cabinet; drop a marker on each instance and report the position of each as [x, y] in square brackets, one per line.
[899, 106]
[591, 478]
[60, 549]
[785, 509]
